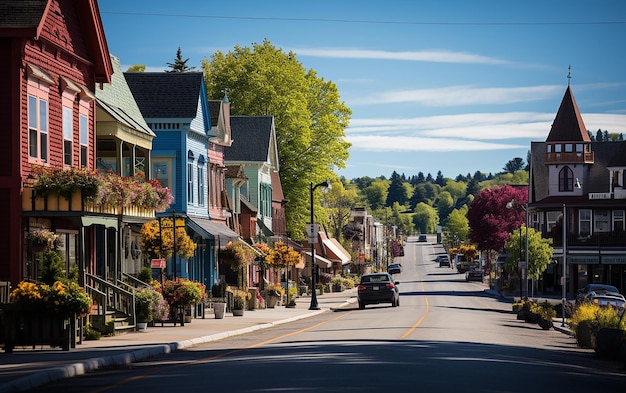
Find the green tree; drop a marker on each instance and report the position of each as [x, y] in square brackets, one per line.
[179, 65]
[425, 218]
[514, 165]
[457, 189]
[539, 252]
[376, 193]
[339, 202]
[396, 191]
[445, 204]
[457, 227]
[137, 68]
[309, 117]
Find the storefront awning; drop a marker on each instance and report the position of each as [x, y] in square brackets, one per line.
[321, 261]
[335, 251]
[213, 230]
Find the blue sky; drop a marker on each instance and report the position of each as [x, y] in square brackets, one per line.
[456, 86]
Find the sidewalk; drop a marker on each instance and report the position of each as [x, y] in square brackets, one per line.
[26, 368]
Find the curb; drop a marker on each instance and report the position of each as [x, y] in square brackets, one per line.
[40, 378]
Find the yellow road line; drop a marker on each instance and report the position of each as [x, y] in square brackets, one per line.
[419, 321]
[214, 357]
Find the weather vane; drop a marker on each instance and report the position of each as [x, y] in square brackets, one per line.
[569, 74]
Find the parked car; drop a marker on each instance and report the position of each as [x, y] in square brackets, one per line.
[378, 288]
[422, 238]
[609, 299]
[474, 275]
[394, 268]
[444, 261]
[594, 291]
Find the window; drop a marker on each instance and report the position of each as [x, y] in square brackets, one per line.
[557, 148]
[84, 140]
[601, 221]
[38, 128]
[201, 186]
[535, 221]
[584, 222]
[579, 148]
[549, 148]
[569, 148]
[68, 132]
[552, 218]
[190, 182]
[618, 220]
[566, 180]
[161, 168]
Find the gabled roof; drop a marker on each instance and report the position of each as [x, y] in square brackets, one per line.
[26, 18]
[568, 125]
[117, 100]
[277, 189]
[22, 18]
[619, 158]
[254, 140]
[166, 94]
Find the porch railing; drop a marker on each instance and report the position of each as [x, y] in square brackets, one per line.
[111, 297]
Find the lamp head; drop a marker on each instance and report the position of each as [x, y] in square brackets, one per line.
[577, 184]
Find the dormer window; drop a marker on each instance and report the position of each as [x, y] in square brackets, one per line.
[569, 147]
[557, 148]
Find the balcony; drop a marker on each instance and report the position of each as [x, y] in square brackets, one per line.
[54, 203]
[586, 158]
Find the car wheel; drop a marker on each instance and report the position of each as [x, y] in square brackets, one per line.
[361, 305]
[398, 302]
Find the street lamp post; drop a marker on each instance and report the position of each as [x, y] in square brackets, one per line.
[313, 240]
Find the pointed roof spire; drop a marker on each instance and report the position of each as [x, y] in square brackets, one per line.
[568, 125]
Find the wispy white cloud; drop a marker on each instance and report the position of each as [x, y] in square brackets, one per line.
[460, 95]
[410, 143]
[432, 56]
[464, 132]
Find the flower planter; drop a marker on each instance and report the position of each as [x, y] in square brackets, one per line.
[218, 309]
[608, 343]
[238, 313]
[271, 301]
[31, 329]
[584, 335]
[141, 326]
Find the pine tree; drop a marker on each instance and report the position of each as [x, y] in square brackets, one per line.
[179, 65]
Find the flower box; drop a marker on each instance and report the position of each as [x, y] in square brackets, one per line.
[30, 329]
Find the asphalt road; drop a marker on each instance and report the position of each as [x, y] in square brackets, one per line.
[446, 336]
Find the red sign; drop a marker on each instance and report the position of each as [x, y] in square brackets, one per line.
[157, 263]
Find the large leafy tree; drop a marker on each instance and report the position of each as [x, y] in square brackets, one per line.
[456, 228]
[539, 251]
[339, 201]
[425, 218]
[491, 221]
[310, 119]
[376, 193]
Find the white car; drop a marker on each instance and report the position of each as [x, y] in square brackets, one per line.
[601, 294]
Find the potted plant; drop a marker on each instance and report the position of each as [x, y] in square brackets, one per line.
[182, 294]
[147, 300]
[217, 296]
[238, 305]
[41, 240]
[273, 293]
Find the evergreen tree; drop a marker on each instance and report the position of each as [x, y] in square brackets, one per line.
[179, 65]
[420, 178]
[396, 191]
[440, 179]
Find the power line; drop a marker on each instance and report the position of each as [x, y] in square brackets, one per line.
[357, 21]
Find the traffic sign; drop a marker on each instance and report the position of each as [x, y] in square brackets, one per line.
[158, 263]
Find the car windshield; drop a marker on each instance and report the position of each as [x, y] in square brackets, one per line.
[375, 278]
